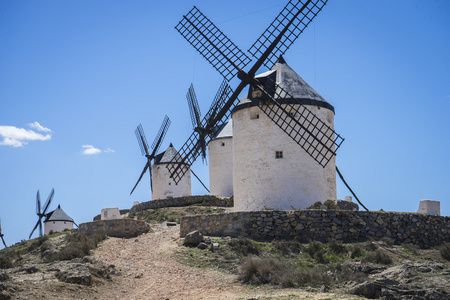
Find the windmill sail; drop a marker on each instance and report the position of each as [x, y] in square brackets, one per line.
[143, 145]
[41, 213]
[319, 140]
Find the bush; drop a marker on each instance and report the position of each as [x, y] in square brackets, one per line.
[78, 246]
[259, 271]
[378, 257]
[5, 262]
[337, 248]
[244, 246]
[287, 248]
[357, 251]
[256, 270]
[445, 251]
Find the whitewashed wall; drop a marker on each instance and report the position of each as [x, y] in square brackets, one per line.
[57, 226]
[164, 187]
[260, 181]
[221, 167]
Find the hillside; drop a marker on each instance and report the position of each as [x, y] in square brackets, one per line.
[157, 265]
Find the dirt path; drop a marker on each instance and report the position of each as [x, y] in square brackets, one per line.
[150, 273]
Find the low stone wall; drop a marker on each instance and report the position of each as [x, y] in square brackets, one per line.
[206, 200]
[346, 226]
[122, 228]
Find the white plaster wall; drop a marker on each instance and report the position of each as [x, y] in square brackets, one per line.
[57, 226]
[430, 207]
[110, 213]
[260, 181]
[221, 167]
[164, 187]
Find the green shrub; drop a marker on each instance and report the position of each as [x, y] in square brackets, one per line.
[244, 246]
[378, 257]
[78, 246]
[287, 248]
[445, 251]
[357, 251]
[259, 271]
[5, 261]
[337, 248]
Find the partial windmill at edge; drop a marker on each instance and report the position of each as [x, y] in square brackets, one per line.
[1, 234]
[142, 140]
[318, 139]
[41, 213]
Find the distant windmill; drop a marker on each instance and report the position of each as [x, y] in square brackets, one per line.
[41, 213]
[1, 234]
[318, 139]
[155, 147]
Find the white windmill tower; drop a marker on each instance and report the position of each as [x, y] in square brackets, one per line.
[220, 149]
[310, 131]
[269, 169]
[164, 186]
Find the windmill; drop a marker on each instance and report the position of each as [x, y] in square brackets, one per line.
[318, 139]
[205, 130]
[142, 140]
[1, 234]
[41, 212]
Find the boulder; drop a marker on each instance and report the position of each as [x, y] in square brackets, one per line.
[193, 238]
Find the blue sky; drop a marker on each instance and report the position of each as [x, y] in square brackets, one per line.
[77, 77]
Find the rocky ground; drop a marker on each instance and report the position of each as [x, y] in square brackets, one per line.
[156, 265]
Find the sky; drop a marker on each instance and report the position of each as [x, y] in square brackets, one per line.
[77, 77]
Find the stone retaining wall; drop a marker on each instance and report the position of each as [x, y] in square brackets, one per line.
[122, 228]
[346, 226]
[206, 200]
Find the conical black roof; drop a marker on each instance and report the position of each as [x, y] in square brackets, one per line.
[291, 82]
[167, 156]
[57, 215]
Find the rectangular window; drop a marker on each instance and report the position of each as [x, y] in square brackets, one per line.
[254, 114]
[278, 154]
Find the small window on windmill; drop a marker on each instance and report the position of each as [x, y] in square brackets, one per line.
[278, 154]
[254, 114]
[105, 213]
[256, 93]
[222, 144]
[292, 113]
[170, 183]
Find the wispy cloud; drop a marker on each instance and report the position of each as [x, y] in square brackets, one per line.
[39, 127]
[18, 137]
[91, 150]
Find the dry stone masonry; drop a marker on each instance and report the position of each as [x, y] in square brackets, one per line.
[346, 226]
[121, 228]
[205, 200]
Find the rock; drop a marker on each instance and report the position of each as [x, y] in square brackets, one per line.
[193, 238]
[202, 246]
[30, 269]
[78, 274]
[4, 295]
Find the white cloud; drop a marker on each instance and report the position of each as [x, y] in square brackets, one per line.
[39, 127]
[109, 150]
[91, 150]
[18, 137]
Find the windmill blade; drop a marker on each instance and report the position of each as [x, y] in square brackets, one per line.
[318, 139]
[198, 178]
[140, 177]
[36, 226]
[3, 240]
[212, 44]
[194, 108]
[150, 170]
[38, 203]
[160, 136]
[302, 13]
[47, 203]
[142, 140]
[192, 147]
